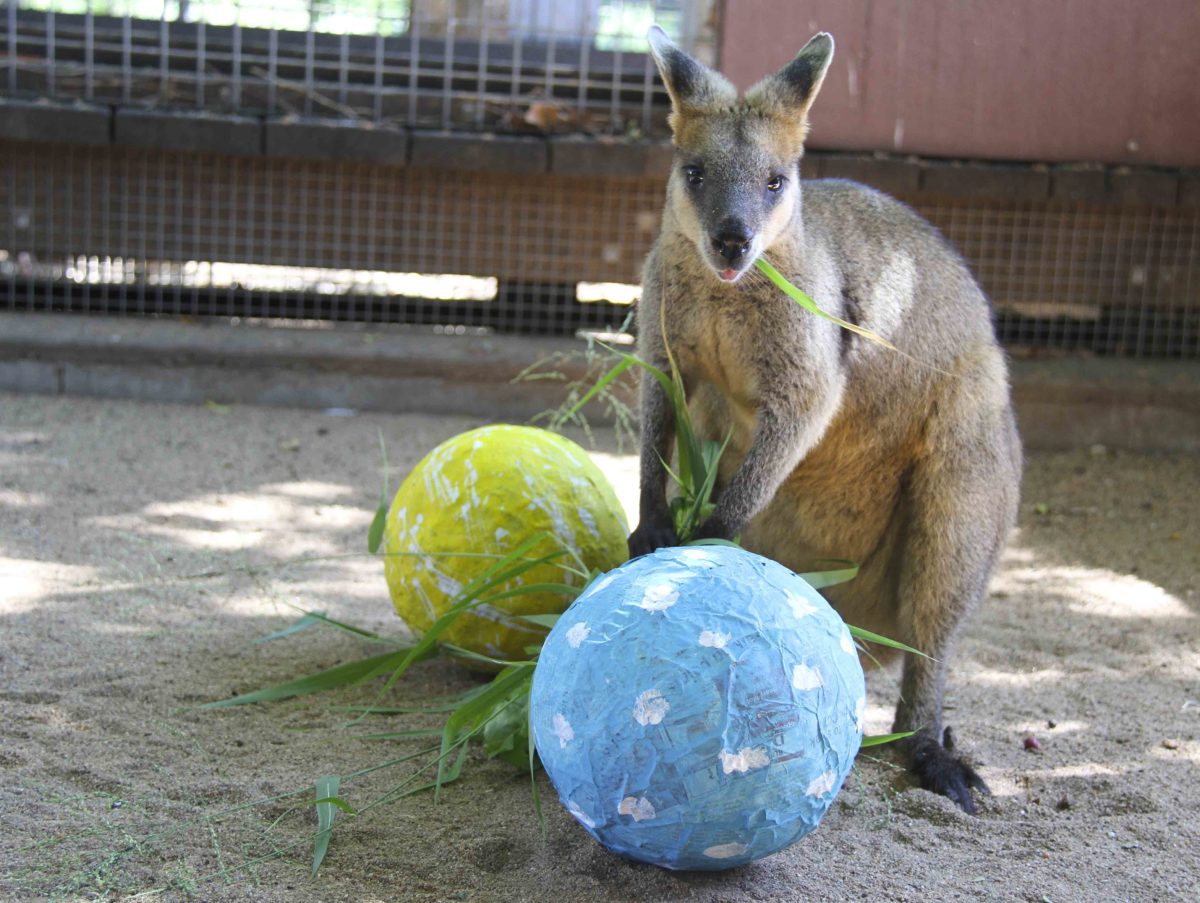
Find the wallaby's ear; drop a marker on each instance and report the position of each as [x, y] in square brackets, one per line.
[795, 86]
[694, 88]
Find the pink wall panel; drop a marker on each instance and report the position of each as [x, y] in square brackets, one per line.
[1039, 80]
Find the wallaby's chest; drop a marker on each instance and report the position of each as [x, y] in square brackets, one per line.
[714, 344]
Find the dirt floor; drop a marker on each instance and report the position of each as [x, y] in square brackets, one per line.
[145, 548]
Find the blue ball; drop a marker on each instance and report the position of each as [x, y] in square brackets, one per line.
[698, 708]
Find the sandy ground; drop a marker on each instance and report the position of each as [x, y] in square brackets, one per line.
[143, 549]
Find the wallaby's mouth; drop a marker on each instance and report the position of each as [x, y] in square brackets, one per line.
[730, 251]
[730, 271]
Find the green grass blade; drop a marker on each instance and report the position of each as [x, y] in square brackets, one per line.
[321, 618]
[402, 735]
[866, 635]
[506, 735]
[339, 676]
[541, 620]
[713, 542]
[880, 739]
[379, 521]
[375, 533]
[822, 579]
[472, 655]
[805, 300]
[687, 448]
[675, 478]
[710, 456]
[327, 788]
[308, 620]
[636, 361]
[510, 566]
[601, 384]
[439, 704]
[502, 571]
[533, 766]
[564, 589]
[337, 802]
[473, 717]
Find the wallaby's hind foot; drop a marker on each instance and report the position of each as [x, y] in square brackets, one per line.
[939, 769]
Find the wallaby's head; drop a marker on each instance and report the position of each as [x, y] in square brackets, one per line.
[735, 183]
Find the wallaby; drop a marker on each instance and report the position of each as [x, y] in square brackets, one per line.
[908, 463]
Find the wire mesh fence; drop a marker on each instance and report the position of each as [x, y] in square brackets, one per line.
[132, 231]
[147, 232]
[512, 65]
[150, 230]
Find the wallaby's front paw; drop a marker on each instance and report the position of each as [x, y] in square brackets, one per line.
[649, 536]
[940, 770]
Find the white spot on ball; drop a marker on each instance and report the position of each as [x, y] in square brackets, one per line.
[563, 730]
[725, 850]
[659, 597]
[639, 807]
[447, 585]
[586, 518]
[822, 784]
[802, 607]
[697, 555]
[847, 642]
[601, 583]
[582, 816]
[745, 759]
[714, 640]
[806, 678]
[578, 634]
[650, 708]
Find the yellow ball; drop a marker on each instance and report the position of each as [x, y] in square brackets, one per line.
[484, 493]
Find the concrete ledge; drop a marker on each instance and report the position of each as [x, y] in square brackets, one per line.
[1143, 188]
[898, 177]
[592, 157]
[335, 140]
[397, 370]
[1061, 403]
[480, 153]
[60, 123]
[1131, 404]
[1189, 190]
[1088, 186]
[990, 183]
[202, 133]
[576, 155]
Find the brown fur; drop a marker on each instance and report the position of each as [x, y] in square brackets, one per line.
[908, 464]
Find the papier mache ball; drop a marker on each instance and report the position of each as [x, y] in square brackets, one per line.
[477, 497]
[698, 708]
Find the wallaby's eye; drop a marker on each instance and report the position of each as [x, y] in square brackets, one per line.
[774, 183]
[694, 175]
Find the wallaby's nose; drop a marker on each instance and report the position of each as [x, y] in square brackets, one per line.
[733, 241]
